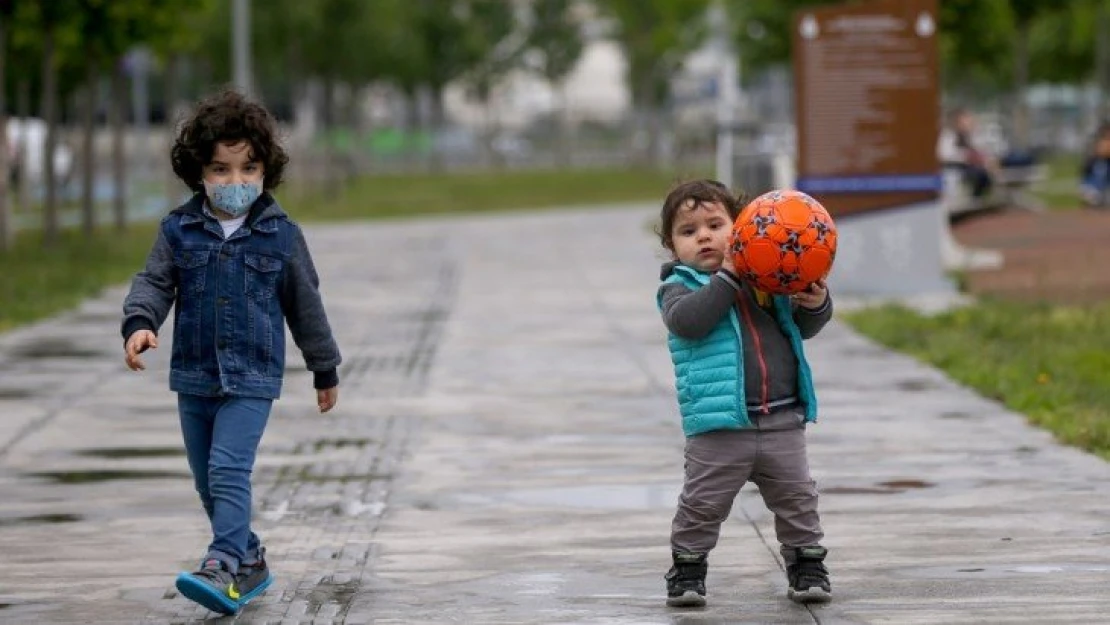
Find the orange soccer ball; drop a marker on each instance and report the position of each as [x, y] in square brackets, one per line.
[783, 241]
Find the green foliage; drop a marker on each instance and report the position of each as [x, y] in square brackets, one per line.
[556, 37]
[1051, 363]
[976, 42]
[1062, 43]
[655, 36]
[764, 29]
[35, 282]
[977, 37]
[491, 23]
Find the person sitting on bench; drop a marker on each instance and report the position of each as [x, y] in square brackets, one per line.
[1095, 185]
[955, 148]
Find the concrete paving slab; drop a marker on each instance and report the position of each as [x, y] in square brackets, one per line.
[507, 450]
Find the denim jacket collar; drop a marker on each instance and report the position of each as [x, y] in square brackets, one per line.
[262, 217]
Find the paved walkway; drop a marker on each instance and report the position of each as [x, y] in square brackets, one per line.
[506, 450]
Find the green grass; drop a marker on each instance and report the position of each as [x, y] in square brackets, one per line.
[1060, 189]
[36, 282]
[1051, 363]
[423, 194]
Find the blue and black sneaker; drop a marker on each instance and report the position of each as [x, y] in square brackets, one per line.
[212, 586]
[253, 578]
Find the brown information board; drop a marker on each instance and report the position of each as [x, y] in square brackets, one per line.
[866, 102]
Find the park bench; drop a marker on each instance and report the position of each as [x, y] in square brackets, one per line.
[1012, 189]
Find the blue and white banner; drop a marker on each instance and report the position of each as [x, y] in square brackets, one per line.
[880, 183]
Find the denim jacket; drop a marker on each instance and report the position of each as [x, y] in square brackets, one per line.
[231, 300]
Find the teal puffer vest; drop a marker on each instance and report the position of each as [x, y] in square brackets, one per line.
[709, 372]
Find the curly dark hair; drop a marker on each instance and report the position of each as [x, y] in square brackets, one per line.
[694, 193]
[227, 116]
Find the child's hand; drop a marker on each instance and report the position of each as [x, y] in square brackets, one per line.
[138, 343]
[327, 398]
[727, 264]
[814, 296]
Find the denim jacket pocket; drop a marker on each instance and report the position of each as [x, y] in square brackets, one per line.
[192, 265]
[262, 275]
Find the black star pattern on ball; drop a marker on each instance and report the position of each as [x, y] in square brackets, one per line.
[761, 222]
[791, 244]
[822, 229]
[785, 278]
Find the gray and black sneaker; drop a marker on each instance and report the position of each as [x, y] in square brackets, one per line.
[253, 578]
[212, 586]
[807, 576]
[686, 580]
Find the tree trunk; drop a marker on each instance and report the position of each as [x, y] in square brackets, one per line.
[488, 135]
[88, 159]
[119, 156]
[413, 126]
[173, 70]
[1020, 113]
[7, 228]
[1102, 59]
[435, 162]
[23, 112]
[50, 229]
[563, 128]
[645, 122]
[331, 152]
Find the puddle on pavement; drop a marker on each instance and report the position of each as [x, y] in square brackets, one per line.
[56, 348]
[93, 477]
[578, 440]
[916, 385]
[856, 490]
[39, 519]
[903, 484]
[15, 393]
[599, 497]
[328, 592]
[123, 453]
[996, 572]
[889, 487]
[340, 443]
[539, 584]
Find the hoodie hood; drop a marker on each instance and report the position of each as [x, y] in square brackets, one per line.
[667, 268]
[265, 207]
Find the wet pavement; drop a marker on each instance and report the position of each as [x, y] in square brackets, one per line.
[506, 450]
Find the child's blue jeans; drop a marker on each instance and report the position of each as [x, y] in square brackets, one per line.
[221, 439]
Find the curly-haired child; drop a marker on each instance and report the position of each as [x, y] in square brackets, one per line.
[235, 269]
[744, 391]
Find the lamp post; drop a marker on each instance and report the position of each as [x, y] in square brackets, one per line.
[727, 83]
[241, 44]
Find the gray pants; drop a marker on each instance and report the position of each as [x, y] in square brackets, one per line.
[719, 463]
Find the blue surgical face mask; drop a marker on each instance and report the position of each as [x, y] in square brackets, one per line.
[235, 199]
